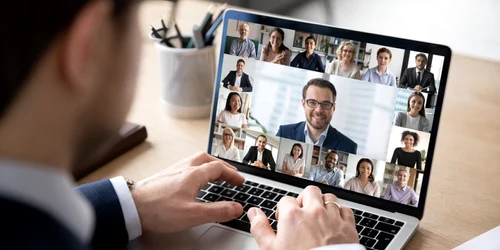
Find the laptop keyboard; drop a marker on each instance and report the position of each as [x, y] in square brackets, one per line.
[375, 232]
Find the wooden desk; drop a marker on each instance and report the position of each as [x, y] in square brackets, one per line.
[464, 191]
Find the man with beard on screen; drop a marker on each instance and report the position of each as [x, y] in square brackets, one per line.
[329, 174]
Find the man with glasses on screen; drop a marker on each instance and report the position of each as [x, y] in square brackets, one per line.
[318, 101]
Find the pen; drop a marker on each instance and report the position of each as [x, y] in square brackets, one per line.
[155, 33]
[198, 37]
[221, 10]
[203, 26]
[179, 34]
[209, 36]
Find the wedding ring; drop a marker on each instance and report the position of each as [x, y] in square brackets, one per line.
[332, 202]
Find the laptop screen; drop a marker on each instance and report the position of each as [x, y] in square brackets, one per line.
[320, 105]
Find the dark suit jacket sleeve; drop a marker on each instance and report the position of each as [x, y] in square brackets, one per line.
[110, 229]
[272, 163]
[432, 84]
[404, 79]
[248, 156]
[227, 79]
[354, 148]
[320, 66]
[246, 85]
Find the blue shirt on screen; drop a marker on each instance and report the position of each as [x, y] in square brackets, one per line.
[387, 78]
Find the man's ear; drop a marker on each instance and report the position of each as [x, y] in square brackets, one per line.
[78, 47]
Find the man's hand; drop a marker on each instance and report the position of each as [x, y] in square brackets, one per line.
[418, 87]
[166, 201]
[325, 182]
[307, 216]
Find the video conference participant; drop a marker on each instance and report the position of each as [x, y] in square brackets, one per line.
[318, 101]
[294, 163]
[345, 65]
[259, 156]
[226, 149]
[408, 156]
[275, 51]
[309, 59]
[328, 174]
[414, 117]
[237, 80]
[243, 46]
[381, 74]
[400, 192]
[364, 182]
[418, 77]
[231, 114]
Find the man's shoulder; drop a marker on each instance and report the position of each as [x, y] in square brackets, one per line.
[291, 126]
[343, 139]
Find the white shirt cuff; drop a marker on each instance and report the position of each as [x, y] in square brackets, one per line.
[341, 247]
[132, 221]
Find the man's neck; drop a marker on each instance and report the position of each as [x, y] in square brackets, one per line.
[313, 133]
[401, 186]
[243, 38]
[259, 150]
[308, 54]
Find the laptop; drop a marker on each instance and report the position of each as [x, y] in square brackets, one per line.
[262, 106]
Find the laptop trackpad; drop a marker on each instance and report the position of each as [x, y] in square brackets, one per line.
[221, 238]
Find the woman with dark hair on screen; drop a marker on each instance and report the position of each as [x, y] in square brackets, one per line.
[408, 156]
[364, 182]
[275, 51]
[293, 163]
[226, 149]
[414, 117]
[231, 114]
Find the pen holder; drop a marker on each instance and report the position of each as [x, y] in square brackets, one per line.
[187, 77]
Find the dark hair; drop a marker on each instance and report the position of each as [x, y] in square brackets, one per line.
[301, 149]
[22, 51]
[422, 110]
[228, 106]
[311, 38]
[386, 50]
[416, 137]
[321, 83]
[421, 55]
[240, 60]
[261, 136]
[267, 47]
[370, 177]
[331, 152]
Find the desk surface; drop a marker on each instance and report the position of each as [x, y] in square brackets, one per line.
[463, 192]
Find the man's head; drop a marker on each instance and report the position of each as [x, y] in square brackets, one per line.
[403, 176]
[310, 44]
[261, 142]
[74, 76]
[420, 61]
[331, 159]
[244, 30]
[240, 66]
[318, 101]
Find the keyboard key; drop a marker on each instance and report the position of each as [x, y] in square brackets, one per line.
[238, 224]
[251, 183]
[368, 223]
[248, 206]
[278, 197]
[201, 194]
[241, 196]
[206, 186]
[200, 200]
[268, 204]
[242, 188]
[279, 191]
[222, 198]
[254, 200]
[268, 212]
[386, 220]
[357, 212]
[367, 242]
[274, 225]
[228, 193]
[268, 195]
[255, 191]
[357, 218]
[371, 216]
[293, 194]
[265, 187]
[387, 228]
[383, 240]
[215, 189]
[211, 197]
[372, 233]
[243, 204]
[399, 223]
[359, 228]
[218, 182]
[244, 218]
[227, 185]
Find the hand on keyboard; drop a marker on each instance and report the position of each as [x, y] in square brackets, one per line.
[305, 222]
[166, 201]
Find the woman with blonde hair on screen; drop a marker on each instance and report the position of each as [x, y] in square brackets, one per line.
[293, 163]
[414, 117]
[345, 65]
[364, 182]
[226, 149]
[232, 114]
[275, 51]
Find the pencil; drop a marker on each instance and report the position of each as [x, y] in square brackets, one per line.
[179, 34]
[155, 32]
